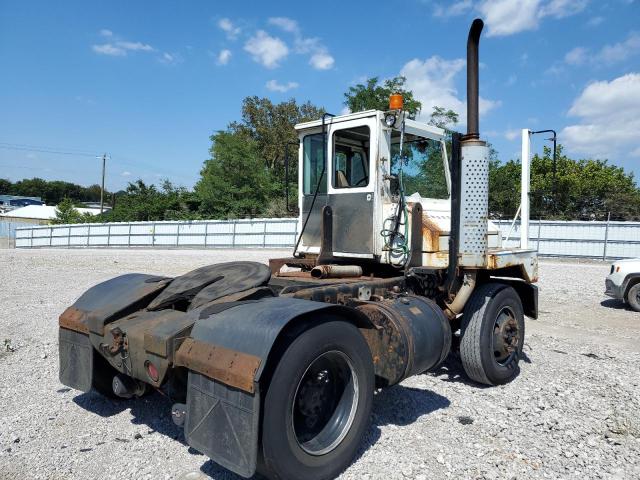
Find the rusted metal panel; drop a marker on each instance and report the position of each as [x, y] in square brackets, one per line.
[158, 334]
[344, 292]
[525, 260]
[410, 335]
[431, 233]
[386, 342]
[233, 368]
[74, 319]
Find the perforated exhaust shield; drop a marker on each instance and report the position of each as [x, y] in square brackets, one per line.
[474, 204]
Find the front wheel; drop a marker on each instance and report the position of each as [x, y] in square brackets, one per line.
[492, 334]
[318, 404]
[633, 297]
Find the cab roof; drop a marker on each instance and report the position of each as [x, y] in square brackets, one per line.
[338, 118]
[411, 126]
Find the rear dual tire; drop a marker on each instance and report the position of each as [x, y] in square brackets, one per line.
[318, 404]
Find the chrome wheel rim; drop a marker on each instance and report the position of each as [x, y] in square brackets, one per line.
[325, 403]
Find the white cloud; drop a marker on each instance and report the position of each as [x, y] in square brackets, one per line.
[109, 49]
[119, 48]
[170, 58]
[135, 46]
[619, 52]
[286, 24]
[577, 56]
[608, 122]
[457, 8]
[512, 134]
[321, 61]
[319, 56]
[507, 17]
[229, 28]
[274, 86]
[562, 8]
[432, 81]
[607, 55]
[126, 173]
[595, 21]
[266, 50]
[223, 57]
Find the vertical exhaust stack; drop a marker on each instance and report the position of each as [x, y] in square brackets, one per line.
[474, 178]
[473, 130]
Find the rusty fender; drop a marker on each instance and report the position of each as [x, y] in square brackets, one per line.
[230, 367]
[110, 300]
[74, 319]
[226, 354]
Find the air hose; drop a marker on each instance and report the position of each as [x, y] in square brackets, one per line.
[396, 243]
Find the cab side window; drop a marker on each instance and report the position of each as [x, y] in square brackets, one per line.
[351, 158]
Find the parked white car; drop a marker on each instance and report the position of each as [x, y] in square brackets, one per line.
[623, 282]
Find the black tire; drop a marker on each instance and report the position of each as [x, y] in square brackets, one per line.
[633, 297]
[492, 334]
[102, 378]
[296, 446]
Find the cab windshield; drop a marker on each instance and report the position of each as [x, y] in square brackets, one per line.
[424, 170]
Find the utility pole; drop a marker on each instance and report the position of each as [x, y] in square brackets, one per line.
[104, 164]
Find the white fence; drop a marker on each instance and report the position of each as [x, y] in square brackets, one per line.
[261, 233]
[550, 238]
[578, 239]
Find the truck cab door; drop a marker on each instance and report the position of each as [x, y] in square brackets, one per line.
[351, 178]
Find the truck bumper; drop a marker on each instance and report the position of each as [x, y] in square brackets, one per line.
[612, 289]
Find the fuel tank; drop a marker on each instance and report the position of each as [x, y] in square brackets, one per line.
[411, 335]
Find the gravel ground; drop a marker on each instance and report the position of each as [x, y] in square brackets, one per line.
[574, 412]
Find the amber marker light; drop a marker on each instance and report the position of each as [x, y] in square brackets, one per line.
[395, 102]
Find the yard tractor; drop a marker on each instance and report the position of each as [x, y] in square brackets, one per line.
[273, 369]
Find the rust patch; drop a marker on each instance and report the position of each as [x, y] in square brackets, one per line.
[73, 319]
[275, 264]
[430, 235]
[230, 367]
[386, 342]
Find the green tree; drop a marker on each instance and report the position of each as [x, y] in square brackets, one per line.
[584, 189]
[142, 202]
[51, 191]
[6, 186]
[270, 125]
[442, 117]
[372, 95]
[236, 181]
[66, 213]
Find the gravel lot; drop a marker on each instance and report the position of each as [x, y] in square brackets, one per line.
[574, 412]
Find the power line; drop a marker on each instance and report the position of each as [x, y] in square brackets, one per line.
[46, 147]
[42, 150]
[84, 153]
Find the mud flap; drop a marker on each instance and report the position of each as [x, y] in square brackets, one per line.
[222, 423]
[76, 360]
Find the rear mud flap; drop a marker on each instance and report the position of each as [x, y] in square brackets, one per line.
[76, 360]
[222, 423]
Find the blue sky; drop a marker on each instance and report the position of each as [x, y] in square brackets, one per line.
[148, 82]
